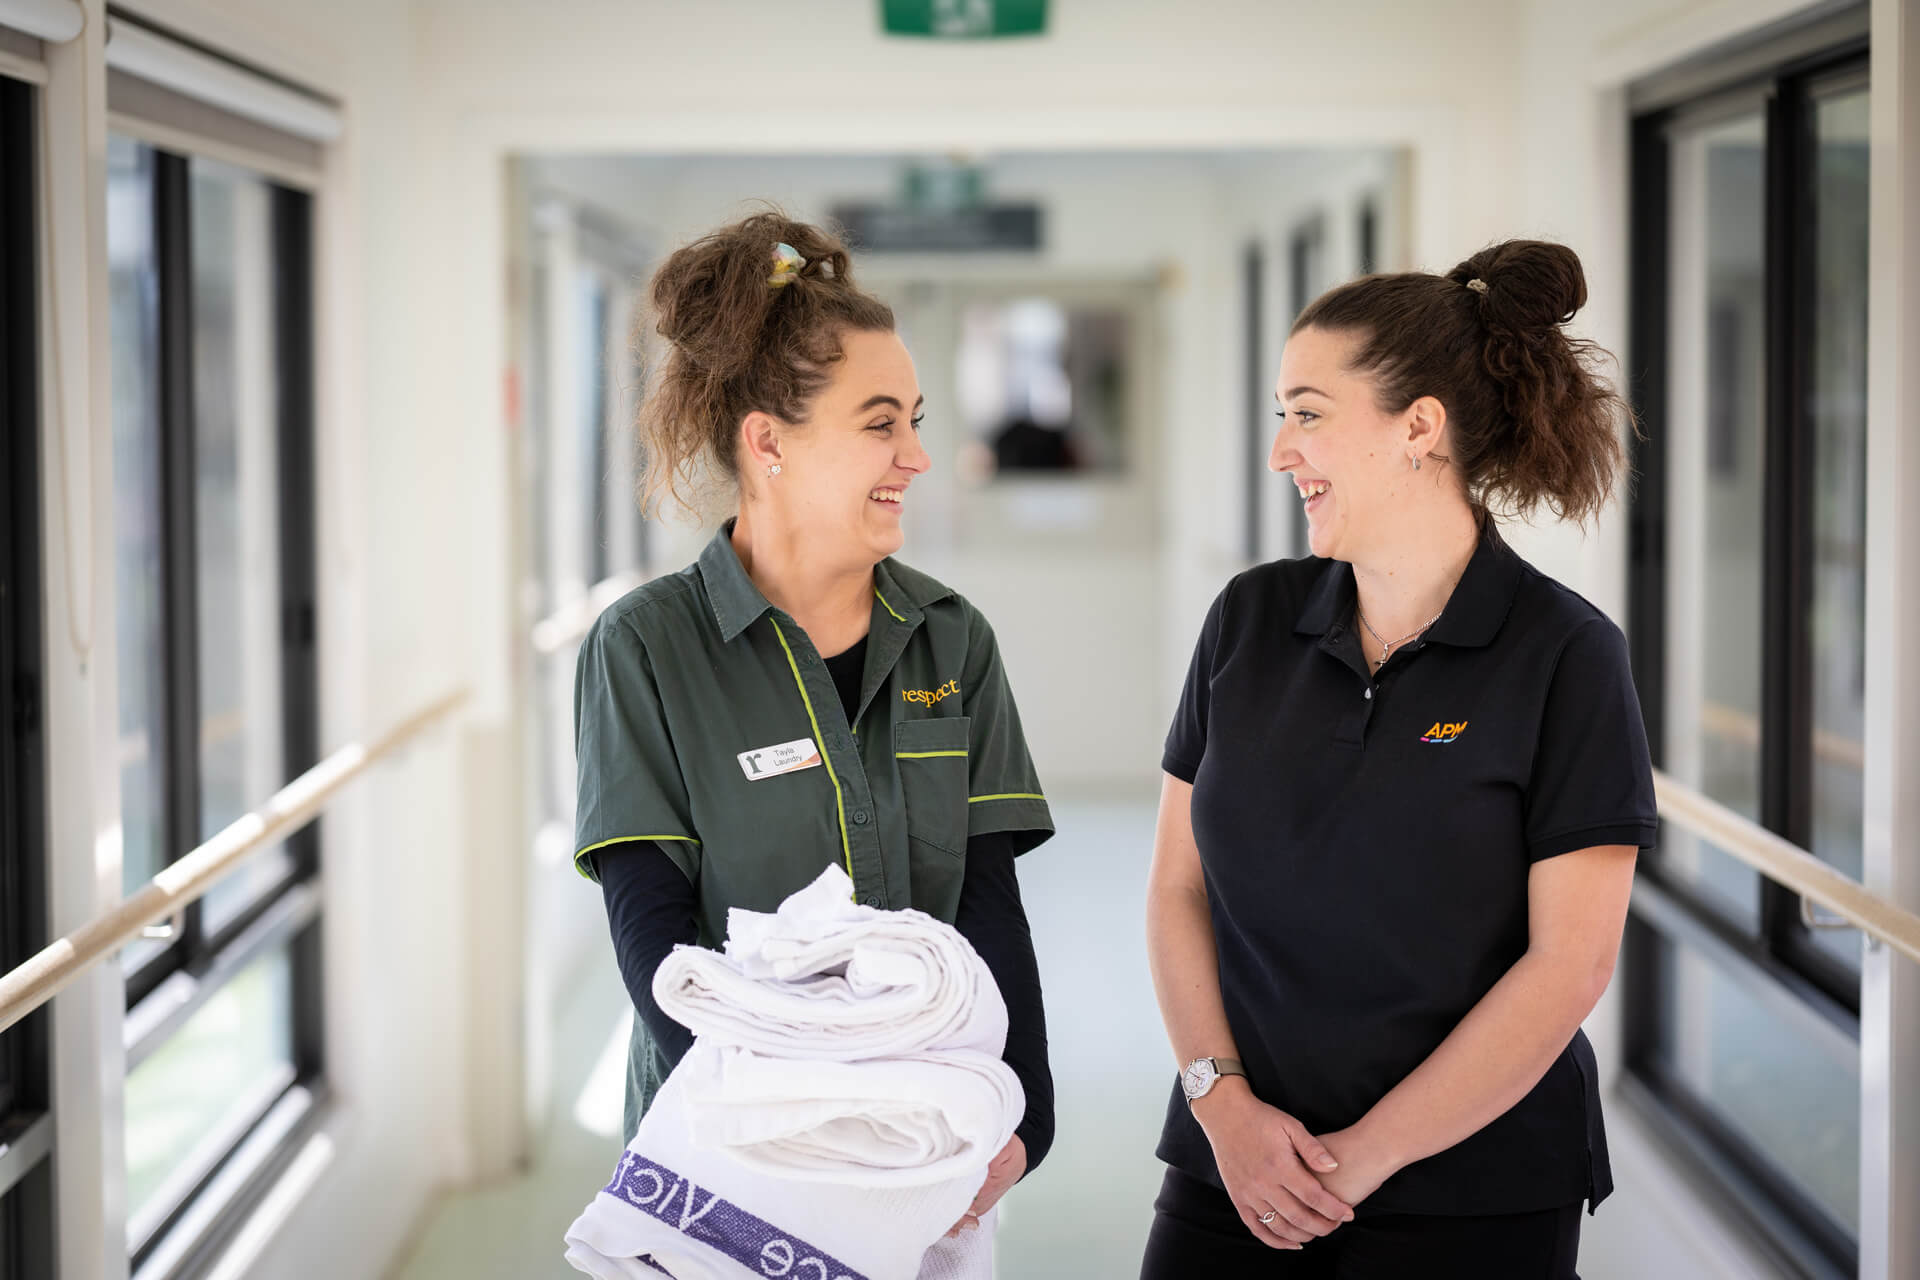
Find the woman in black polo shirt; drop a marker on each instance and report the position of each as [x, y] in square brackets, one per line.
[1405, 789]
[796, 697]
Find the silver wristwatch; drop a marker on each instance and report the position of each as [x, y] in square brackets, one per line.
[1202, 1074]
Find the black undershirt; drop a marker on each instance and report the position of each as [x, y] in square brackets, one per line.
[651, 908]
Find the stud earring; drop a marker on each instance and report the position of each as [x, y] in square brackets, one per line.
[774, 470]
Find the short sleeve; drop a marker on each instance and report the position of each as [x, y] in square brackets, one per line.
[630, 786]
[1187, 738]
[1592, 779]
[1003, 789]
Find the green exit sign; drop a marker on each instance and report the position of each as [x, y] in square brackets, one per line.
[963, 19]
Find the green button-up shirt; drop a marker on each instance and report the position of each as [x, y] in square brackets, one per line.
[705, 721]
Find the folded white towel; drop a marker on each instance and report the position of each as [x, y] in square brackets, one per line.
[697, 1213]
[886, 1122]
[826, 978]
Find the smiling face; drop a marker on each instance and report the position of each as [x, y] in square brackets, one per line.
[845, 472]
[1348, 458]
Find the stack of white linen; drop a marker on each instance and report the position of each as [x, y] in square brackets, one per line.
[835, 1116]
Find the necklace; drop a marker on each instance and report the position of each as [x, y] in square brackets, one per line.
[1386, 649]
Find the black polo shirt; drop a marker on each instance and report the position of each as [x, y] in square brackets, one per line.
[1366, 842]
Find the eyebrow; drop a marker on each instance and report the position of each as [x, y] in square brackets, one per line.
[875, 401]
[1294, 393]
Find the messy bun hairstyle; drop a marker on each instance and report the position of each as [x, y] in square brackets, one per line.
[1532, 422]
[736, 342]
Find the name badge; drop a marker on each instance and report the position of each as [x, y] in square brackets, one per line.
[771, 762]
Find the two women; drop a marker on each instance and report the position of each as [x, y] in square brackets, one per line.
[1405, 785]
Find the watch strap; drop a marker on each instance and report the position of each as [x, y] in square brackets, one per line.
[1228, 1067]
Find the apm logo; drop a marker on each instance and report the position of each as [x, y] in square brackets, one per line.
[1444, 733]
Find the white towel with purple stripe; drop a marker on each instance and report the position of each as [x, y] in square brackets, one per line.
[700, 1211]
[845, 1158]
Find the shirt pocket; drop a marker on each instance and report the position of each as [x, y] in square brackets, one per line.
[932, 758]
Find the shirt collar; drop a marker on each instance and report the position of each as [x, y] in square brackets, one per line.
[1479, 605]
[903, 591]
[736, 601]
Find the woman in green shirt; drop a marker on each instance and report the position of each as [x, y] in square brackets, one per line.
[795, 696]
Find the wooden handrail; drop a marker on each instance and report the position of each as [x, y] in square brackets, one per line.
[1788, 864]
[43, 976]
[572, 621]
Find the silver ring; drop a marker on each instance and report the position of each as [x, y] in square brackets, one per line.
[1266, 1219]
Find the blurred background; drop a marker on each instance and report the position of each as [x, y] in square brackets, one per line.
[317, 376]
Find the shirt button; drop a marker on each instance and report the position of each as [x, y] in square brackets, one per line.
[859, 817]
[873, 899]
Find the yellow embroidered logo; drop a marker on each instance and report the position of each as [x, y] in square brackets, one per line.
[1444, 733]
[927, 697]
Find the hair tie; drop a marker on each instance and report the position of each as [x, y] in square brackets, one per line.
[1477, 285]
[787, 264]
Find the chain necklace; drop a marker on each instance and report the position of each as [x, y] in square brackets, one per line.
[1386, 649]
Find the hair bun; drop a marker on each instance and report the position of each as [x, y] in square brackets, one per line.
[711, 298]
[1531, 284]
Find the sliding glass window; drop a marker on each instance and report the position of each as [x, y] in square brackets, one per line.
[1748, 589]
[212, 399]
[26, 1125]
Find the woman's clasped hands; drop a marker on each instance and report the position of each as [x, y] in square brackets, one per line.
[1289, 1186]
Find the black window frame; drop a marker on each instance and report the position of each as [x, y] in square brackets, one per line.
[27, 1245]
[1306, 269]
[1779, 964]
[209, 1196]
[1259, 410]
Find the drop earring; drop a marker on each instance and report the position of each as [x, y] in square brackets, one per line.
[1416, 462]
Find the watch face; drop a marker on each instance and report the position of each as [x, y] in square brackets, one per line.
[1198, 1075]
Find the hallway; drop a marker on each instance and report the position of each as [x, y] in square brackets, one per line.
[319, 391]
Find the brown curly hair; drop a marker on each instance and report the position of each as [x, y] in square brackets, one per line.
[736, 343]
[1532, 420]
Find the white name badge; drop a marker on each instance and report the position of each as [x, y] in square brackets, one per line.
[771, 762]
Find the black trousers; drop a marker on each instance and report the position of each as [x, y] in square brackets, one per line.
[1196, 1232]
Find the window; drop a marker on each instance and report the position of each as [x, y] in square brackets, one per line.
[1748, 628]
[212, 398]
[1259, 406]
[582, 392]
[1366, 236]
[26, 1192]
[1041, 384]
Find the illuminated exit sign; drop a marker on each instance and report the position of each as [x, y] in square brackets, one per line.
[963, 19]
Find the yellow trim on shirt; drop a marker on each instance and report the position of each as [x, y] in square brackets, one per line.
[619, 840]
[884, 605]
[925, 755]
[1008, 795]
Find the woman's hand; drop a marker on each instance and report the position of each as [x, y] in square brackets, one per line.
[1002, 1172]
[1272, 1167]
[1364, 1165]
